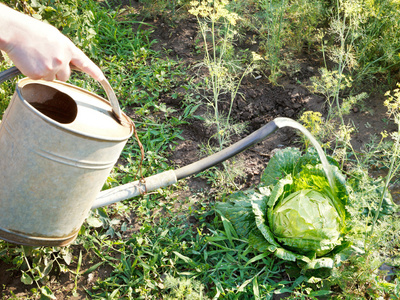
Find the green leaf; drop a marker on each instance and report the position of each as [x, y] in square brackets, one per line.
[258, 242]
[66, 254]
[229, 230]
[256, 290]
[244, 284]
[279, 189]
[94, 222]
[262, 225]
[47, 269]
[47, 292]
[283, 162]
[94, 267]
[186, 259]
[311, 157]
[238, 210]
[78, 267]
[26, 279]
[324, 262]
[256, 258]
[285, 254]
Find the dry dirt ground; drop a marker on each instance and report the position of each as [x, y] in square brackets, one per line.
[260, 103]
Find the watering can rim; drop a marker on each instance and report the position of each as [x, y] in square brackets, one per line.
[125, 122]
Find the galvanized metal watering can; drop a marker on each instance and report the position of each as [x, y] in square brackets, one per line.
[58, 143]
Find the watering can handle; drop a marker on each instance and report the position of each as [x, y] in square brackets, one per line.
[14, 71]
[8, 74]
[112, 98]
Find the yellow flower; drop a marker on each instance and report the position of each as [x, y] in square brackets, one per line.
[213, 9]
[256, 56]
[327, 145]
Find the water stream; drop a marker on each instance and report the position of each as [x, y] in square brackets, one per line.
[286, 122]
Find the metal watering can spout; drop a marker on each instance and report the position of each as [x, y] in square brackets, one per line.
[58, 144]
[167, 178]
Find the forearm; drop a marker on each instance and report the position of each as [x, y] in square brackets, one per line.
[11, 22]
[6, 25]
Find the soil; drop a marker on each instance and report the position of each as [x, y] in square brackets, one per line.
[259, 102]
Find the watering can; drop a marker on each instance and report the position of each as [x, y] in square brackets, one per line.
[58, 144]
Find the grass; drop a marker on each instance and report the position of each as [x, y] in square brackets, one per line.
[164, 246]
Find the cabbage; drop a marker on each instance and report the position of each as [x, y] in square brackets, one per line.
[294, 213]
[306, 215]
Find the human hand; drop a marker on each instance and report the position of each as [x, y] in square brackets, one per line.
[39, 50]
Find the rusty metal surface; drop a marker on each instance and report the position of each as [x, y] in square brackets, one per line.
[37, 241]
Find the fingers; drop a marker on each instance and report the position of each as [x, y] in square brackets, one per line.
[83, 63]
[53, 62]
[61, 69]
[78, 61]
[64, 73]
[58, 69]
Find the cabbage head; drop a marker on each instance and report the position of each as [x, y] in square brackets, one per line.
[294, 212]
[306, 221]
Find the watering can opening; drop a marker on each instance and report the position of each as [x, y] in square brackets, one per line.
[51, 102]
[74, 109]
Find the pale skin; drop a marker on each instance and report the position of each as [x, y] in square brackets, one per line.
[39, 50]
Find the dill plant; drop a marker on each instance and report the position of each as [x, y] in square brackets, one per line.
[333, 136]
[274, 35]
[344, 24]
[363, 38]
[375, 226]
[304, 17]
[374, 194]
[345, 28]
[217, 28]
[283, 28]
[376, 39]
[313, 121]
[393, 105]
[332, 82]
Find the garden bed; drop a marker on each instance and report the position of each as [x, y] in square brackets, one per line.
[258, 102]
